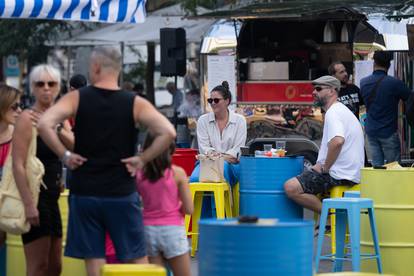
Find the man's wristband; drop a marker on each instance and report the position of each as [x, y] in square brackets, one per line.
[66, 156]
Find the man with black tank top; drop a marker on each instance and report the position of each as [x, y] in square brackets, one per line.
[103, 196]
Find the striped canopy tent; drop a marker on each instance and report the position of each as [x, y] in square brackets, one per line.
[110, 11]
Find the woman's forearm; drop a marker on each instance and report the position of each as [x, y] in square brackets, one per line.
[20, 176]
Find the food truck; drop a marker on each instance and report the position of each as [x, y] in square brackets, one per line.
[275, 57]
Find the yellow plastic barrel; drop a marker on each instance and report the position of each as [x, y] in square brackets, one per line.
[133, 270]
[393, 194]
[16, 264]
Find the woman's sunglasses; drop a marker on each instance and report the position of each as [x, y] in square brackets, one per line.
[16, 106]
[41, 84]
[214, 100]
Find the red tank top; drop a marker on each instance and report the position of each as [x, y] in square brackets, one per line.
[4, 151]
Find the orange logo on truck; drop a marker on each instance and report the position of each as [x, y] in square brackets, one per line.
[290, 92]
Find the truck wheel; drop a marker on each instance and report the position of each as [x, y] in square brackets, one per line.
[309, 158]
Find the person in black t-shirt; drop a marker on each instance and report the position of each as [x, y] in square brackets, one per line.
[349, 94]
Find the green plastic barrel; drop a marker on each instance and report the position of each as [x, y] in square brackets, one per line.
[16, 264]
[393, 194]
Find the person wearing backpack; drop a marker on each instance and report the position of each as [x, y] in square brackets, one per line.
[382, 94]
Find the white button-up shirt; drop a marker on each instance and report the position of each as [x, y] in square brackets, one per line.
[229, 141]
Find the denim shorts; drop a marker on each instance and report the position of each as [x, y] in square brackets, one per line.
[91, 217]
[167, 240]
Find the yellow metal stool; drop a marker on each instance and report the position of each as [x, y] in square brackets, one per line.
[334, 192]
[133, 270]
[221, 192]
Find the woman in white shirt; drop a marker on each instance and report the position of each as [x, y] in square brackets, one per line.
[221, 131]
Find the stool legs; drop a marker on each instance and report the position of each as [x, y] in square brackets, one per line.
[229, 210]
[198, 200]
[219, 199]
[375, 238]
[322, 223]
[341, 218]
[354, 233]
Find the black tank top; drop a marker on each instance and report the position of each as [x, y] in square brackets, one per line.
[53, 168]
[104, 134]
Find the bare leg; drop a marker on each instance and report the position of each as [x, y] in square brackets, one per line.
[37, 256]
[181, 265]
[55, 257]
[158, 260]
[142, 260]
[295, 192]
[93, 266]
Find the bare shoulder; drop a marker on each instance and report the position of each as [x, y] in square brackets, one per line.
[140, 101]
[179, 172]
[24, 125]
[141, 106]
[25, 120]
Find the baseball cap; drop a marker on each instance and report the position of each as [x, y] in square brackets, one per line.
[328, 81]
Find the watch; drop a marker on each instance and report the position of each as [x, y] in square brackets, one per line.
[66, 156]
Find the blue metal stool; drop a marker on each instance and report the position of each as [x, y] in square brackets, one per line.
[347, 208]
[355, 194]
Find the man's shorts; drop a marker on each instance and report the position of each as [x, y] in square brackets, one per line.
[314, 183]
[91, 217]
[169, 241]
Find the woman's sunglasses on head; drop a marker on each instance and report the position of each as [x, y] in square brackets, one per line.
[214, 100]
[41, 84]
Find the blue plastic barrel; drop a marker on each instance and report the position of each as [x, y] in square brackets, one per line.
[261, 187]
[269, 247]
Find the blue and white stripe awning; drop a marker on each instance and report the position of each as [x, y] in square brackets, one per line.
[110, 11]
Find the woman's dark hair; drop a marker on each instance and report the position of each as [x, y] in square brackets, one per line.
[154, 169]
[224, 90]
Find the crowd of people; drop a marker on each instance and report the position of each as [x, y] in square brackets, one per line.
[92, 132]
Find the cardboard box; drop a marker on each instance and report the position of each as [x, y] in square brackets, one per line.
[269, 70]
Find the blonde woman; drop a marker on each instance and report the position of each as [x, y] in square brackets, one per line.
[43, 243]
[9, 111]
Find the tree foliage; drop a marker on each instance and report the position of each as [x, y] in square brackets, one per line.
[26, 37]
[191, 5]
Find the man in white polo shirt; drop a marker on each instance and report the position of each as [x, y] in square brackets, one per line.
[341, 155]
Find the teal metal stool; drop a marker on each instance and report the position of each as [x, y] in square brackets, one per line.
[356, 194]
[347, 209]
